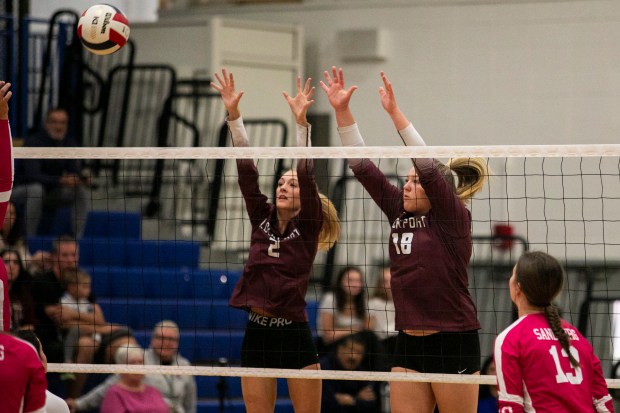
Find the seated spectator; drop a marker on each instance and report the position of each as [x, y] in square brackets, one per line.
[342, 311]
[381, 311]
[11, 236]
[349, 396]
[487, 395]
[179, 392]
[104, 354]
[22, 377]
[22, 304]
[131, 394]
[53, 403]
[91, 321]
[121, 337]
[47, 290]
[52, 183]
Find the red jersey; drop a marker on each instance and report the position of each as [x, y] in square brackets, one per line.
[534, 373]
[429, 253]
[277, 271]
[22, 377]
[6, 185]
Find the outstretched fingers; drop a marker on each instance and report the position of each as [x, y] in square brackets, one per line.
[298, 84]
[338, 74]
[5, 95]
[306, 91]
[386, 82]
[219, 86]
[386, 90]
[226, 80]
[5, 92]
[308, 88]
[330, 80]
[225, 85]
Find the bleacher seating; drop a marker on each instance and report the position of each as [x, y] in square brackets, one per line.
[162, 283]
[209, 393]
[207, 387]
[237, 406]
[140, 282]
[122, 252]
[112, 224]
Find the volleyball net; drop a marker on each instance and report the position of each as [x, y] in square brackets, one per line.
[168, 234]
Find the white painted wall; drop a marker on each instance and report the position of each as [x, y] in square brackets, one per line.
[135, 10]
[511, 73]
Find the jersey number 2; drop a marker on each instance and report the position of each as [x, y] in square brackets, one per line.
[273, 250]
[564, 377]
[403, 246]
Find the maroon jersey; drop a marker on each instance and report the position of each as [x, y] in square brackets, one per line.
[6, 184]
[534, 373]
[22, 377]
[276, 274]
[429, 253]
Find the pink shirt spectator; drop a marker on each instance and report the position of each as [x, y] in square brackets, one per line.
[120, 400]
[534, 376]
[22, 377]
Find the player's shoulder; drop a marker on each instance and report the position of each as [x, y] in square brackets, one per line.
[517, 326]
[515, 332]
[17, 345]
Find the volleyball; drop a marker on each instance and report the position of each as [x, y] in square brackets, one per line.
[103, 29]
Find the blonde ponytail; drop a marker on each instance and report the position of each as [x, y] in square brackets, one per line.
[330, 230]
[472, 174]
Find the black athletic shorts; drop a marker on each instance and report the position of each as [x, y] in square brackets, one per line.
[445, 353]
[277, 343]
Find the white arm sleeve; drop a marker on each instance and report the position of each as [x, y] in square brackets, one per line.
[411, 137]
[238, 133]
[351, 136]
[303, 135]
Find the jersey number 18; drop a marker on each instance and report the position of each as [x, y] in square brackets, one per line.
[403, 246]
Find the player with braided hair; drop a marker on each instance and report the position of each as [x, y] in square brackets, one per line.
[543, 363]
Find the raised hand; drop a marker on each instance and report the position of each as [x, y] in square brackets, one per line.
[388, 100]
[301, 102]
[5, 96]
[230, 97]
[334, 87]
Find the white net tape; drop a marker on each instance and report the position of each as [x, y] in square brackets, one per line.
[282, 373]
[507, 151]
[258, 372]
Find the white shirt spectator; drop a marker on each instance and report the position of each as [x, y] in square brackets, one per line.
[382, 312]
